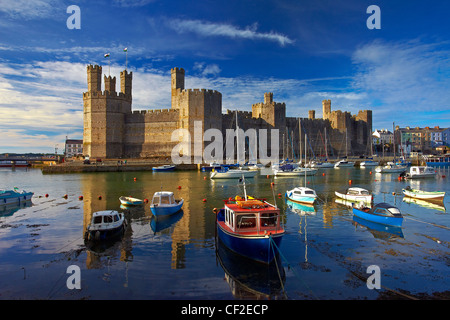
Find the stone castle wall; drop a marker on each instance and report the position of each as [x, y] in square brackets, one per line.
[113, 130]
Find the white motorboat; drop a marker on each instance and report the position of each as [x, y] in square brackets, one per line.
[390, 167]
[369, 163]
[226, 173]
[344, 163]
[419, 172]
[295, 172]
[355, 194]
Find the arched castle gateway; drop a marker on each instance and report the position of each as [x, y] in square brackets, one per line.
[113, 130]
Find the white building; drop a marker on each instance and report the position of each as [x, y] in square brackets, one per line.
[73, 148]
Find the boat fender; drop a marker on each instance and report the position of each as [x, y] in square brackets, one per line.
[215, 210]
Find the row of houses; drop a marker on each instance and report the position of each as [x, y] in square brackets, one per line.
[407, 140]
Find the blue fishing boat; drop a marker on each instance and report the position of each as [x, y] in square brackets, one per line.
[166, 167]
[14, 196]
[248, 226]
[383, 213]
[164, 204]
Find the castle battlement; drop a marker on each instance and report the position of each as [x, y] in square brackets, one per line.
[199, 91]
[105, 94]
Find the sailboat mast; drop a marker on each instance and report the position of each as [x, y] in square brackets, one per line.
[237, 140]
[305, 159]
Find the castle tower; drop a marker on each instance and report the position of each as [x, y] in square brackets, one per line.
[104, 115]
[110, 84]
[268, 97]
[94, 78]
[177, 85]
[273, 113]
[326, 109]
[125, 83]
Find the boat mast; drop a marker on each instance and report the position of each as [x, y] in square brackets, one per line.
[300, 140]
[237, 140]
[305, 159]
[326, 150]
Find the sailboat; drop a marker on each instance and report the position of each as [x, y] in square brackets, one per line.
[302, 194]
[370, 162]
[226, 172]
[323, 164]
[344, 162]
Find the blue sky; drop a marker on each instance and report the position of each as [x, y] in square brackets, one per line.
[302, 51]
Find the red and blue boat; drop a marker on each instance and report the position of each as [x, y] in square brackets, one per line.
[250, 227]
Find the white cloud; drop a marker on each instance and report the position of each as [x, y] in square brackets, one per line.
[31, 9]
[205, 28]
[405, 78]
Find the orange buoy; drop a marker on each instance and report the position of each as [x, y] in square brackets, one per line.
[80, 198]
[268, 176]
[279, 194]
[99, 197]
[272, 183]
[323, 174]
[65, 196]
[204, 200]
[179, 187]
[134, 179]
[349, 181]
[145, 200]
[370, 172]
[393, 193]
[46, 195]
[204, 178]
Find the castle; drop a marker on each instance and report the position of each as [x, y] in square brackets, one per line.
[113, 130]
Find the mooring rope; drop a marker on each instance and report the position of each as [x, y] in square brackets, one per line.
[293, 269]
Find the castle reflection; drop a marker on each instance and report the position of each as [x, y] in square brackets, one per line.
[101, 191]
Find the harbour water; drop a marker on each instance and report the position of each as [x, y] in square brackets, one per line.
[324, 255]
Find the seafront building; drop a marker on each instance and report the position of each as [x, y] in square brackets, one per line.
[113, 130]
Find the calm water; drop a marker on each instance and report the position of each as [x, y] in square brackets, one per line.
[324, 254]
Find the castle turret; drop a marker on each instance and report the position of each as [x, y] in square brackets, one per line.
[326, 108]
[177, 84]
[94, 78]
[125, 83]
[110, 84]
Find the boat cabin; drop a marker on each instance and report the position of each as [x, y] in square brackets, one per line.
[163, 198]
[252, 216]
[357, 192]
[387, 210]
[105, 217]
[421, 170]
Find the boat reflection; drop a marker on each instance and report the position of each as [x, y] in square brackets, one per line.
[7, 210]
[249, 279]
[350, 203]
[437, 205]
[300, 208]
[378, 230]
[160, 223]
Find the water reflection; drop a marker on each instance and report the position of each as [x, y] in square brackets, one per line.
[7, 210]
[249, 279]
[379, 231]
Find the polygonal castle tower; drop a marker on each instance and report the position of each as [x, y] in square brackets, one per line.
[104, 113]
